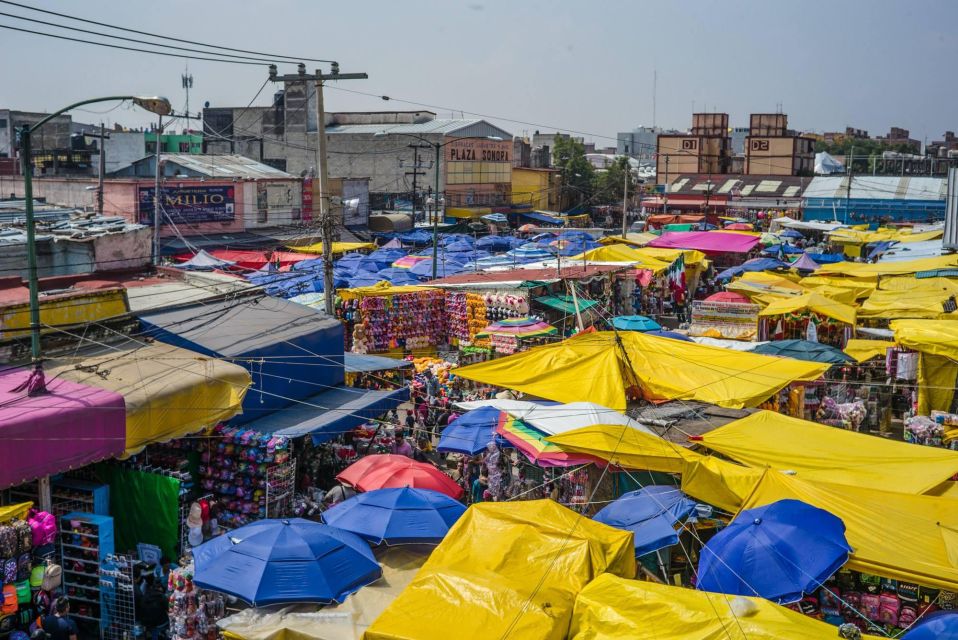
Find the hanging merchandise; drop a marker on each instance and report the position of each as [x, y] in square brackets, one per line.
[466, 314]
[811, 332]
[235, 466]
[505, 304]
[408, 321]
[193, 611]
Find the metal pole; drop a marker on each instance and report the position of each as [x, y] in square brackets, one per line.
[435, 216]
[157, 215]
[324, 213]
[666, 207]
[415, 174]
[26, 162]
[101, 171]
[625, 196]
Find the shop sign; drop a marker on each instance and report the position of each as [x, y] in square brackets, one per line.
[730, 320]
[307, 199]
[205, 203]
[479, 150]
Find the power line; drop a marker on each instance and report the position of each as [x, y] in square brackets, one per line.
[154, 35]
[117, 46]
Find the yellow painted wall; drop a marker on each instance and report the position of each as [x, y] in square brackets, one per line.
[530, 186]
[64, 310]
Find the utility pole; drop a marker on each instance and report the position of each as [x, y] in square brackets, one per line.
[625, 196]
[101, 170]
[665, 209]
[157, 207]
[848, 185]
[326, 222]
[415, 173]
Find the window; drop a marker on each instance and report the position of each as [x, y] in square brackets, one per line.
[184, 147]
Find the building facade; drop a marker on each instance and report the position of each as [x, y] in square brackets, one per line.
[772, 149]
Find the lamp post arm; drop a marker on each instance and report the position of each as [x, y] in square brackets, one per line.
[74, 106]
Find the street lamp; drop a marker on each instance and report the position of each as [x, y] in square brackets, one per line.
[437, 147]
[154, 104]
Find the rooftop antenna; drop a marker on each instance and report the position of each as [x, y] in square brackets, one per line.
[655, 80]
[186, 79]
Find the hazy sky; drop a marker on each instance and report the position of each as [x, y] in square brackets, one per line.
[584, 66]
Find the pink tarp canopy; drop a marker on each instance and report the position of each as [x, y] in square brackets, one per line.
[706, 241]
[70, 426]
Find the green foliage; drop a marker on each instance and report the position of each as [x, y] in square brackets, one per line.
[607, 185]
[862, 148]
[568, 156]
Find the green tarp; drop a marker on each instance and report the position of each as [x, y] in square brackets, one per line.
[565, 303]
[145, 508]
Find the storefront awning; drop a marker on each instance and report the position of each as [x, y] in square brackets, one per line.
[364, 363]
[68, 427]
[565, 304]
[331, 413]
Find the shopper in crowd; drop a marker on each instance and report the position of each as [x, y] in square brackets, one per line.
[480, 485]
[402, 447]
[59, 625]
[151, 611]
[423, 450]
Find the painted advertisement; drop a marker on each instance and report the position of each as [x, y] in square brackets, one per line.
[731, 320]
[207, 203]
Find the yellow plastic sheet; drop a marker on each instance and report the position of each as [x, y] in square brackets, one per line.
[169, 392]
[611, 608]
[719, 482]
[338, 247]
[936, 383]
[937, 337]
[692, 256]
[593, 367]
[916, 303]
[814, 302]
[863, 269]
[635, 239]
[822, 453]
[863, 350]
[862, 287]
[506, 570]
[623, 253]
[861, 237]
[844, 295]
[379, 289]
[18, 511]
[910, 283]
[894, 535]
[626, 447]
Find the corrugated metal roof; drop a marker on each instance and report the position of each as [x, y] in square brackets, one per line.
[877, 188]
[223, 166]
[444, 126]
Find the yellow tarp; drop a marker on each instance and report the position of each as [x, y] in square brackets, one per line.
[860, 237]
[910, 283]
[763, 287]
[593, 367]
[692, 256]
[635, 239]
[719, 482]
[612, 608]
[936, 385]
[379, 289]
[626, 447]
[863, 269]
[813, 302]
[937, 340]
[826, 454]
[18, 511]
[918, 303]
[506, 570]
[62, 311]
[844, 295]
[623, 253]
[338, 247]
[893, 535]
[863, 350]
[169, 392]
[863, 287]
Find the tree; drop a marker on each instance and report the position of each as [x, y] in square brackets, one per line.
[607, 184]
[568, 156]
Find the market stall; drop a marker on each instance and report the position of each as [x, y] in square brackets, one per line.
[811, 316]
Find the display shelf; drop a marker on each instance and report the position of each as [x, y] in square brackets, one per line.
[98, 531]
[69, 495]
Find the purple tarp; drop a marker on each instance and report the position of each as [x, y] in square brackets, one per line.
[69, 426]
[706, 241]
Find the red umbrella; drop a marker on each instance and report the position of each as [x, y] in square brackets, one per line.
[727, 296]
[388, 471]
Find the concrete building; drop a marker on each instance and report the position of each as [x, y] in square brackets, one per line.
[535, 189]
[738, 135]
[771, 149]
[705, 149]
[640, 143]
[56, 150]
[872, 199]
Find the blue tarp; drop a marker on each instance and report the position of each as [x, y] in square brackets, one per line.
[542, 218]
[364, 363]
[278, 341]
[499, 243]
[444, 268]
[755, 264]
[329, 414]
[826, 258]
[471, 432]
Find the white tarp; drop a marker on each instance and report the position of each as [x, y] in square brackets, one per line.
[813, 225]
[826, 164]
[913, 251]
[558, 418]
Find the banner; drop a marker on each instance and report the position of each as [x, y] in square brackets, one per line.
[731, 320]
[189, 204]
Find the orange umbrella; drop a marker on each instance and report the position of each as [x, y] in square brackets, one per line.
[388, 471]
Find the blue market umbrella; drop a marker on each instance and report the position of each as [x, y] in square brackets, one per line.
[803, 350]
[669, 334]
[650, 513]
[284, 561]
[450, 238]
[755, 264]
[940, 625]
[471, 432]
[364, 279]
[444, 268]
[498, 243]
[777, 551]
[791, 233]
[457, 246]
[385, 257]
[397, 516]
[635, 323]
[396, 276]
